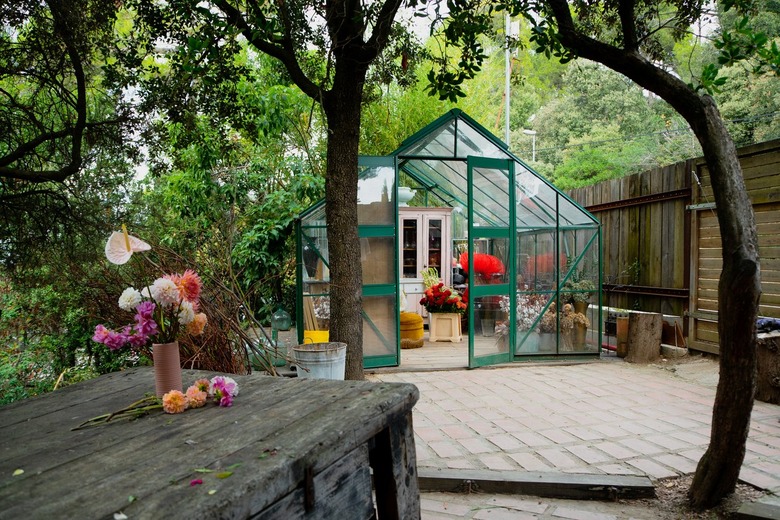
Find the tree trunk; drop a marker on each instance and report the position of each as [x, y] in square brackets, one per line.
[739, 288]
[342, 108]
[739, 291]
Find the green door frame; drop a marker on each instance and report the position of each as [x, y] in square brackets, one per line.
[387, 289]
[507, 167]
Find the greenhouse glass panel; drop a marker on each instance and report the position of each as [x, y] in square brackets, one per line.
[315, 215]
[536, 323]
[439, 142]
[376, 189]
[377, 257]
[316, 268]
[432, 174]
[490, 186]
[570, 214]
[536, 260]
[471, 142]
[579, 288]
[380, 315]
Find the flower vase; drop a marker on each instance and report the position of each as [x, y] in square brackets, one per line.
[167, 367]
[581, 307]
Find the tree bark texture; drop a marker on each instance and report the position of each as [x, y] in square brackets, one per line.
[342, 109]
[739, 288]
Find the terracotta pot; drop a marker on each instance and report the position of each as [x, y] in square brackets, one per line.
[581, 307]
[167, 367]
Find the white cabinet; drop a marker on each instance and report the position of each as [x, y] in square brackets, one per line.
[425, 242]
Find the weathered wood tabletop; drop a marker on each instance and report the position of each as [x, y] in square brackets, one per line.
[295, 447]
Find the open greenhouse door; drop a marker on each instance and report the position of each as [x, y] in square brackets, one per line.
[377, 224]
[490, 266]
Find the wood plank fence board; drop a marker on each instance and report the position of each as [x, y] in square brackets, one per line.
[652, 236]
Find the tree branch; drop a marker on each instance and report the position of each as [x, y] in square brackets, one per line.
[382, 28]
[626, 12]
[283, 51]
[630, 63]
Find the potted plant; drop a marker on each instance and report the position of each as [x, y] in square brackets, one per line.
[529, 309]
[444, 307]
[578, 292]
[574, 325]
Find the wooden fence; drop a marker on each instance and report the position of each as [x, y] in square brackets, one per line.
[661, 244]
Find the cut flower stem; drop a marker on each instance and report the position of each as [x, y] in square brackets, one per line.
[138, 409]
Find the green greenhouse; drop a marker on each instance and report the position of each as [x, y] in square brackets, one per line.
[452, 204]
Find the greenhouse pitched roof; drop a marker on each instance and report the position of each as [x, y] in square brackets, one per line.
[435, 157]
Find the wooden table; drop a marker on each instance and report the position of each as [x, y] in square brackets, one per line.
[295, 447]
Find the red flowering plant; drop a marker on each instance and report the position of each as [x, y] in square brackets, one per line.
[439, 298]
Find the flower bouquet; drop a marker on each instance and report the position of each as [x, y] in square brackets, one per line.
[439, 298]
[163, 310]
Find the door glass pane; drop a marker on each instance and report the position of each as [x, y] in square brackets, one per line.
[377, 260]
[379, 326]
[491, 332]
[490, 267]
[490, 196]
[409, 267]
[435, 229]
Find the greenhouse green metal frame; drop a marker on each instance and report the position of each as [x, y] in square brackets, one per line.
[545, 249]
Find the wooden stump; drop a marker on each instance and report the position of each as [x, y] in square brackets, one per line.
[644, 336]
[768, 360]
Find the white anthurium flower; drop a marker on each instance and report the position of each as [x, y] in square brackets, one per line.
[121, 246]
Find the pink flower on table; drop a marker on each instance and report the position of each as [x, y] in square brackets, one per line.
[174, 402]
[224, 389]
[196, 397]
[226, 400]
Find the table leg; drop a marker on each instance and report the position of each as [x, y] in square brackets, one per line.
[394, 461]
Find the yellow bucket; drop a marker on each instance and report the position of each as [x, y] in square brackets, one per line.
[315, 336]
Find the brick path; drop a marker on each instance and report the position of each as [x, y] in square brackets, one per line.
[605, 417]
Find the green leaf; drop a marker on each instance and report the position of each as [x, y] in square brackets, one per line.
[204, 470]
[224, 474]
